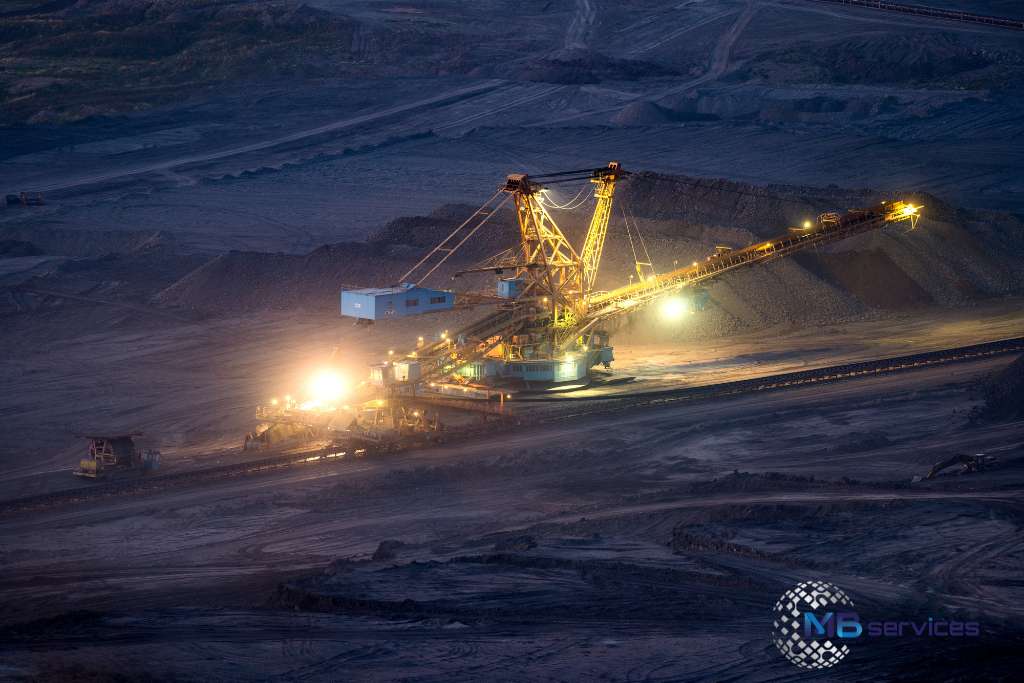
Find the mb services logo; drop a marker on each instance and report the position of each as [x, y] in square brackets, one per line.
[815, 622]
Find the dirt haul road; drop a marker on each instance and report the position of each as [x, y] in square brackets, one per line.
[333, 127]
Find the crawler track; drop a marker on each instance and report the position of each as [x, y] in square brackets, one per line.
[577, 408]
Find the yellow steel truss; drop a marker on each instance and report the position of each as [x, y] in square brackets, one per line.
[593, 246]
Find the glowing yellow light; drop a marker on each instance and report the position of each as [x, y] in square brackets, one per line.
[672, 308]
[909, 210]
[415, 413]
[807, 225]
[273, 401]
[694, 263]
[327, 386]
[508, 395]
[287, 398]
[391, 352]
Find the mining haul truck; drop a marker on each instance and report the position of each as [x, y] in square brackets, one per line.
[113, 454]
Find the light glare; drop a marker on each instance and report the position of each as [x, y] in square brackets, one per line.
[673, 308]
[327, 386]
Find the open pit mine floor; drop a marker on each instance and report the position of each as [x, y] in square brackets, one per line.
[644, 543]
[76, 371]
[520, 414]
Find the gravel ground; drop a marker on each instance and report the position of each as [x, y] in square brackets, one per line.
[648, 544]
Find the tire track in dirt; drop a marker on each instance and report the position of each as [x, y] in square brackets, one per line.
[335, 126]
[682, 30]
[579, 27]
[720, 60]
[721, 56]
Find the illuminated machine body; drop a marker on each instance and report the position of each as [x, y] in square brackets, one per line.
[381, 303]
[550, 324]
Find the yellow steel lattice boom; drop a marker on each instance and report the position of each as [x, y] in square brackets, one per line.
[829, 227]
[593, 246]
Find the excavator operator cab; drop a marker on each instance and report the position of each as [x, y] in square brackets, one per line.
[116, 451]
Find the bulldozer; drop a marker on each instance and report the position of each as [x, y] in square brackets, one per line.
[116, 454]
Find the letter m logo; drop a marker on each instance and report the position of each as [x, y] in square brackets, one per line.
[815, 628]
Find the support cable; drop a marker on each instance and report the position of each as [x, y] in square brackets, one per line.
[629, 234]
[643, 243]
[463, 240]
[569, 205]
[454, 232]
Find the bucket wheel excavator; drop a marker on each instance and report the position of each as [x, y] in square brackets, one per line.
[551, 325]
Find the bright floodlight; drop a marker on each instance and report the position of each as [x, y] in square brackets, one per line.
[327, 386]
[673, 308]
[909, 210]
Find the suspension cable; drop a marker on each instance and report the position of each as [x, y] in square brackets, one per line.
[625, 221]
[643, 242]
[443, 242]
[471, 233]
[568, 205]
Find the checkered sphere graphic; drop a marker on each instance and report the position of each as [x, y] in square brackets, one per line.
[788, 626]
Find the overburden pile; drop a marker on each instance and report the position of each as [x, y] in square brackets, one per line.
[955, 257]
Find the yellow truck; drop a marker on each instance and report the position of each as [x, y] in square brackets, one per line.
[118, 453]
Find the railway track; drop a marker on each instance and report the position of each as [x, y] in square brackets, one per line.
[1015, 24]
[786, 380]
[576, 410]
